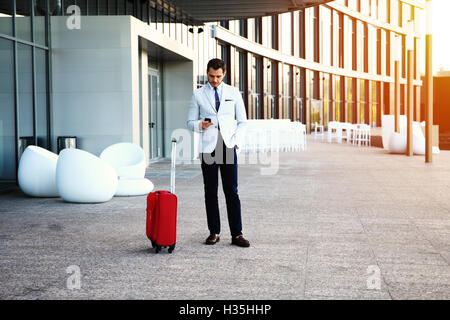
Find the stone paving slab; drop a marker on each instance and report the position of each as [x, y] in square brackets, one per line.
[319, 228]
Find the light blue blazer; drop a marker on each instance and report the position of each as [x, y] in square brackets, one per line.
[231, 118]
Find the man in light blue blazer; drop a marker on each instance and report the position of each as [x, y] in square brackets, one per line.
[217, 112]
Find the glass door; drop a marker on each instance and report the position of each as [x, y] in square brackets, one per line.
[155, 119]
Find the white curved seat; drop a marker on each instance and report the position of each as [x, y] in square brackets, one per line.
[133, 187]
[397, 143]
[388, 127]
[36, 172]
[419, 145]
[128, 159]
[82, 177]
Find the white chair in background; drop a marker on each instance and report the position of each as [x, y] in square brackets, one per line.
[345, 132]
[84, 178]
[318, 130]
[362, 135]
[274, 135]
[333, 131]
[128, 159]
[36, 173]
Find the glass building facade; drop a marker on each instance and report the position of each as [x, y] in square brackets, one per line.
[331, 62]
[24, 80]
[341, 55]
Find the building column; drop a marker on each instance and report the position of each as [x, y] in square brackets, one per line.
[307, 102]
[368, 102]
[380, 100]
[332, 105]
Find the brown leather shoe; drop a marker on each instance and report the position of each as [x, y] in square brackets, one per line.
[240, 241]
[212, 239]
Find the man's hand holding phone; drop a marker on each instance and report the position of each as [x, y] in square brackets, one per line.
[206, 123]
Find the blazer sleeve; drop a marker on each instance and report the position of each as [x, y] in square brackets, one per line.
[241, 116]
[193, 121]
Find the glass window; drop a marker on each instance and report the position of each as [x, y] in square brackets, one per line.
[6, 20]
[375, 89]
[255, 94]
[314, 94]
[302, 33]
[243, 28]
[341, 39]
[23, 19]
[39, 22]
[25, 92]
[316, 32]
[258, 26]
[7, 129]
[242, 72]
[337, 100]
[275, 32]
[362, 102]
[92, 8]
[129, 7]
[224, 56]
[287, 91]
[103, 6]
[41, 97]
[350, 100]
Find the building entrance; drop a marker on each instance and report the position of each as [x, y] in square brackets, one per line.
[155, 114]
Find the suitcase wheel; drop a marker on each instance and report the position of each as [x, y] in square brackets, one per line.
[157, 248]
[153, 244]
[171, 248]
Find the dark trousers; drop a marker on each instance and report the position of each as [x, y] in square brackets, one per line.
[222, 159]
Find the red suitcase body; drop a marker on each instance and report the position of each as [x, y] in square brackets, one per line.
[161, 226]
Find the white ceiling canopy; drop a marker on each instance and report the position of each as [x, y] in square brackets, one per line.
[202, 11]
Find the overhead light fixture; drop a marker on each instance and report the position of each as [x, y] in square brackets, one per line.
[199, 30]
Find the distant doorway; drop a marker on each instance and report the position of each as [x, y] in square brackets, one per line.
[155, 116]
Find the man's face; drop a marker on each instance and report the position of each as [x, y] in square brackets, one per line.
[215, 77]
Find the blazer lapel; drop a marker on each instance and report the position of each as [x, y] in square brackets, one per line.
[224, 96]
[208, 98]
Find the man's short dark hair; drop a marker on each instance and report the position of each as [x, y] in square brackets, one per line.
[216, 64]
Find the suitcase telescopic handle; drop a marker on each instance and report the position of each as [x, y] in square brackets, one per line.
[172, 169]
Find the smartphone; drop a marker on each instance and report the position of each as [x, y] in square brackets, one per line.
[208, 119]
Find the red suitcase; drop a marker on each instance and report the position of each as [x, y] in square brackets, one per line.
[161, 226]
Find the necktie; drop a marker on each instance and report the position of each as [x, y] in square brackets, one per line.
[217, 98]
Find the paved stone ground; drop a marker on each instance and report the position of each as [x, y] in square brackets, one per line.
[318, 229]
